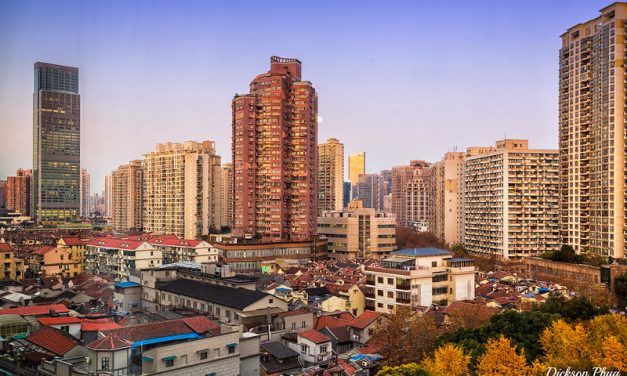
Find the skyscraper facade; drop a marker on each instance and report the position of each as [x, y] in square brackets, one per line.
[108, 197]
[227, 195]
[18, 190]
[275, 144]
[356, 166]
[512, 201]
[447, 198]
[592, 134]
[85, 194]
[127, 196]
[370, 190]
[410, 194]
[182, 189]
[330, 175]
[56, 144]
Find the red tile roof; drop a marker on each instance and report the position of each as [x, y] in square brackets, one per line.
[73, 241]
[115, 243]
[5, 247]
[41, 310]
[314, 336]
[53, 340]
[365, 319]
[110, 342]
[329, 322]
[158, 329]
[60, 320]
[201, 324]
[173, 241]
[302, 311]
[45, 249]
[96, 325]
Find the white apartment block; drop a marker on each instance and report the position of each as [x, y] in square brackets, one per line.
[418, 278]
[512, 201]
[120, 258]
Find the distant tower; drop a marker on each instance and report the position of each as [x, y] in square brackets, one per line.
[56, 144]
[85, 207]
[330, 175]
[275, 142]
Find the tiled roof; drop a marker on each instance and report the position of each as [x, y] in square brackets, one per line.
[115, 243]
[40, 310]
[5, 247]
[329, 322]
[96, 325]
[365, 319]
[296, 312]
[159, 329]
[73, 241]
[110, 342]
[314, 336]
[60, 320]
[226, 296]
[53, 340]
[174, 242]
[45, 249]
[201, 324]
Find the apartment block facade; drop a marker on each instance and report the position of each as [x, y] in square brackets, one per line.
[182, 189]
[127, 196]
[512, 201]
[418, 278]
[275, 163]
[56, 144]
[370, 190]
[356, 166]
[410, 193]
[18, 191]
[592, 134]
[447, 198]
[330, 175]
[226, 202]
[358, 232]
[85, 194]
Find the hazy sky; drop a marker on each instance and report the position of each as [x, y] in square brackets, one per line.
[399, 80]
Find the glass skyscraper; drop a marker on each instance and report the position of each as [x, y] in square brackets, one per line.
[56, 144]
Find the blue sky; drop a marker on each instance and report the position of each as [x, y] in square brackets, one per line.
[399, 80]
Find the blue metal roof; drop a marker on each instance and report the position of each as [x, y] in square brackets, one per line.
[126, 284]
[176, 337]
[459, 259]
[422, 252]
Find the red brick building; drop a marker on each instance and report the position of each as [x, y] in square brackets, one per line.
[275, 138]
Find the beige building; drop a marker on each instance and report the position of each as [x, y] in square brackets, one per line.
[511, 201]
[126, 196]
[592, 134]
[120, 258]
[330, 175]
[226, 202]
[418, 278]
[182, 189]
[84, 194]
[358, 232]
[447, 198]
[356, 166]
[410, 194]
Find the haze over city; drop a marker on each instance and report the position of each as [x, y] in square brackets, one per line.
[405, 81]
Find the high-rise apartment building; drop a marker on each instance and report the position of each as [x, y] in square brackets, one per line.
[108, 197]
[127, 196]
[447, 198]
[592, 134]
[356, 166]
[358, 232]
[227, 195]
[410, 194]
[330, 175]
[18, 190]
[3, 194]
[85, 194]
[56, 144]
[512, 201]
[182, 189]
[347, 194]
[370, 190]
[275, 134]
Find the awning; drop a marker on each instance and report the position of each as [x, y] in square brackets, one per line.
[147, 358]
[166, 358]
[176, 337]
[231, 345]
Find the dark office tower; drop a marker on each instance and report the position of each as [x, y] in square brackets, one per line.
[56, 144]
[275, 145]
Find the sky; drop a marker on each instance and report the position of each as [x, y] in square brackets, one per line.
[400, 80]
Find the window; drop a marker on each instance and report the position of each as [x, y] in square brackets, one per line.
[323, 349]
[390, 294]
[379, 293]
[293, 326]
[303, 325]
[231, 349]
[270, 300]
[379, 279]
[216, 352]
[434, 264]
[390, 281]
[104, 363]
[169, 362]
[204, 355]
[303, 349]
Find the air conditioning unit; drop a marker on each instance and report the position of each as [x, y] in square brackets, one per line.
[355, 337]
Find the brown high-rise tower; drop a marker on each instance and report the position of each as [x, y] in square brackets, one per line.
[275, 138]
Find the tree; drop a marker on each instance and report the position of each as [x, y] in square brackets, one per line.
[501, 359]
[565, 254]
[449, 360]
[571, 309]
[410, 369]
[567, 345]
[620, 289]
[612, 355]
[604, 326]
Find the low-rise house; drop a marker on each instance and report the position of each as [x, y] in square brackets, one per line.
[11, 267]
[278, 359]
[67, 324]
[175, 249]
[120, 258]
[314, 348]
[52, 260]
[48, 310]
[127, 296]
[55, 342]
[293, 320]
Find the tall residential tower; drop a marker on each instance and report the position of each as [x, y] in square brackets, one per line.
[56, 144]
[330, 175]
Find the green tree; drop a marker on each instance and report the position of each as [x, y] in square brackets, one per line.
[620, 288]
[571, 309]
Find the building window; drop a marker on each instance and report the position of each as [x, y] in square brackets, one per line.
[434, 264]
[169, 362]
[270, 300]
[293, 326]
[379, 293]
[104, 363]
[379, 279]
[303, 325]
[390, 281]
[303, 349]
[323, 349]
[203, 355]
[390, 294]
[231, 349]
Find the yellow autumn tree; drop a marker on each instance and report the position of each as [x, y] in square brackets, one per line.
[449, 360]
[612, 355]
[566, 346]
[605, 325]
[501, 359]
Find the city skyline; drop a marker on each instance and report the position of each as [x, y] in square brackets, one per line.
[412, 99]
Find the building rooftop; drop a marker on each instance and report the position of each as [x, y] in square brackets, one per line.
[422, 252]
[53, 340]
[35, 310]
[125, 285]
[314, 336]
